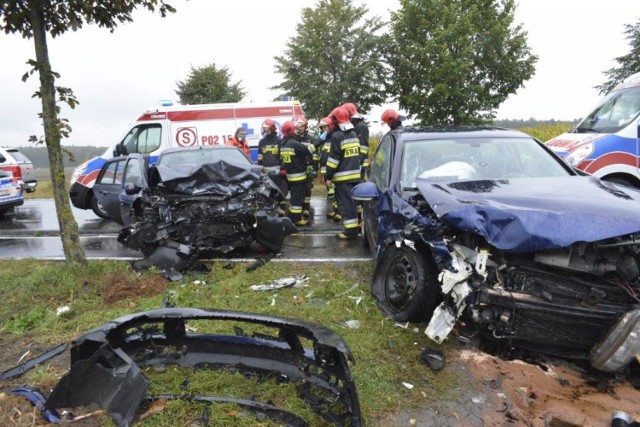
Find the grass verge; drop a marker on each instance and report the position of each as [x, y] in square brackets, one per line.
[386, 355]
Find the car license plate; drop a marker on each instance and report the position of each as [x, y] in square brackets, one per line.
[5, 192]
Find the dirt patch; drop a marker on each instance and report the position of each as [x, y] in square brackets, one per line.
[121, 287]
[549, 392]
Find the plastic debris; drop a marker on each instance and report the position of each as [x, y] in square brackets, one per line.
[352, 324]
[62, 310]
[408, 385]
[356, 299]
[478, 399]
[400, 325]
[434, 359]
[285, 282]
[348, 291]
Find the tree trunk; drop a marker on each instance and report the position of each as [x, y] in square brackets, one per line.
[68, 226]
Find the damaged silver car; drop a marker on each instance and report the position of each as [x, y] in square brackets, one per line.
[489, 227]
[198, 201]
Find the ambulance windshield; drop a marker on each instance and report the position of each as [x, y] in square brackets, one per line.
[615, 112]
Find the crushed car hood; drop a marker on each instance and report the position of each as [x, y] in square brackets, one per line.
[218, 179]
[531, 214]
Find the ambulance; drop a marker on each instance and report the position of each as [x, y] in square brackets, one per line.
[606, 143]
[169, 125]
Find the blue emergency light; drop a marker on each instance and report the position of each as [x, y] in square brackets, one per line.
[165, 103]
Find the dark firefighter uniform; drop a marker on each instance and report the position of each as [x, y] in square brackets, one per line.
[323, 147]
[312, 166]
[269, 158]
[293, 155]
[343, 170]
[362, 130]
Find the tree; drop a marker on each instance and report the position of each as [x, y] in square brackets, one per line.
[207, 85]
[627, 64]
[333, 59]
[34, 19]
[455, 62]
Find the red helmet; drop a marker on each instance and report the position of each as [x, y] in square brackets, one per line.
[339, 115]
[269, 124]
[326, 121]
[351, 108]
[390, 116]
[301, 121]
[288, 128]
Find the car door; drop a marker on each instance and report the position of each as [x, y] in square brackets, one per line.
[379, 174]
[134, 182]
[108, 186]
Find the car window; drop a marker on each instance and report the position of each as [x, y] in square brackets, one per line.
[18, 156]
[477, 159]
[201, 157]
[615, 112]
[133, 173]
[108, 177]
[113, 173]
[143, 139]
[380, 169]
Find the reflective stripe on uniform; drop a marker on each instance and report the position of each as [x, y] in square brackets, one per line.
[296, 210]
[350, 223]
[346, 175]
[295, 177]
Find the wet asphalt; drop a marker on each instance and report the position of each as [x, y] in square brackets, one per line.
[32, 231]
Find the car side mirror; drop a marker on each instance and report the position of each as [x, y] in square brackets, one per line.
[365, 191]
[131, 189]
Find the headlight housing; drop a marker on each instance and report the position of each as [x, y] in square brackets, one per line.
[579, 154]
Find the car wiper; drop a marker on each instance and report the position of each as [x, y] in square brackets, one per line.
[587, 130]
[409, 188]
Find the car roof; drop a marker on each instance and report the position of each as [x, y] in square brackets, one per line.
[208, 147]
[439, 132]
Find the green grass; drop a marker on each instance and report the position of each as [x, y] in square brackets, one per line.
[386, 355]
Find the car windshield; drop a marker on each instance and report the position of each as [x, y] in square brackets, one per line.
[18, 156]
[467, 159]
[615, 112]
[201, 157]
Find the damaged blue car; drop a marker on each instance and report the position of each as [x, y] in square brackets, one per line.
[489, 227]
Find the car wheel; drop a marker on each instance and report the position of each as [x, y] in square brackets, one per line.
[97, 208]
[404, 285]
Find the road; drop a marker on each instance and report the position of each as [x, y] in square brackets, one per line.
[32, 231]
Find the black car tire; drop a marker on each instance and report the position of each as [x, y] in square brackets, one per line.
[97, 208]
[404, 285]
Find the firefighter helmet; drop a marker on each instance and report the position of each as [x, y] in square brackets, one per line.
[269, 124]
[390, 117]
[288, 128]
[339, 116]
[351, 108]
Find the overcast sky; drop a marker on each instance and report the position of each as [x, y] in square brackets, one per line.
[117, 76]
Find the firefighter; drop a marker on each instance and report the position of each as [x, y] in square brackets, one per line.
[293, 157]
[305, 138]
[343, 170]
[240, 140]
[393, 120]
[362, 130]
[269, 158]
[323, 145]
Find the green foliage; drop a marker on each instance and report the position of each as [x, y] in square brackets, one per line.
[60, 16]
[334, 58]
[627, 64]
[455, 62]
[208, 85]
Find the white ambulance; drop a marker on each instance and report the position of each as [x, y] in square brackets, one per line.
[170, 125]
